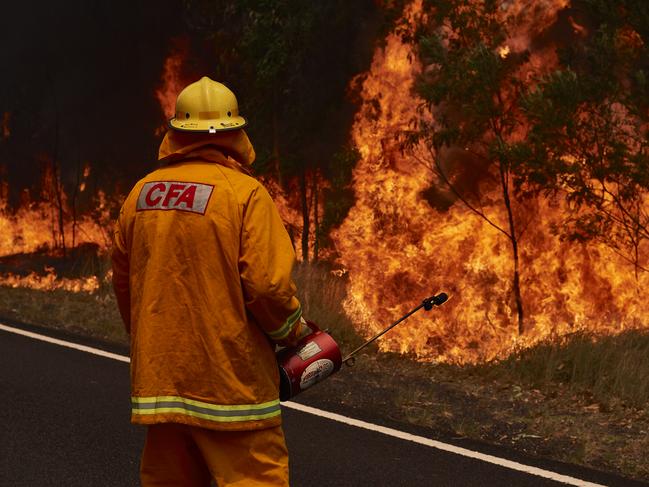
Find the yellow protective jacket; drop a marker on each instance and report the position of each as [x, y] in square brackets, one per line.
[202, 273]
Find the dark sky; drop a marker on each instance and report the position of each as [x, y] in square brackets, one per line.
[79, 78]
[90, 68]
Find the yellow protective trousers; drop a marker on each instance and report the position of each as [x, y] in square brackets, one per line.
[179, 455]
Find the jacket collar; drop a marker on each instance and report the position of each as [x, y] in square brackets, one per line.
[231, 149]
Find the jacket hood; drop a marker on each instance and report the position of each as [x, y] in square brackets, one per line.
[232, 145]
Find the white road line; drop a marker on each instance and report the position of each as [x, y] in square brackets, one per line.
[63, 343]
[441, 446]
[349, 421]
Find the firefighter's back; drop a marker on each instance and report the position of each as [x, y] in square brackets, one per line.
[191, 337]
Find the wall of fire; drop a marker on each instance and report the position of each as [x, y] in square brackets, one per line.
[82, 110]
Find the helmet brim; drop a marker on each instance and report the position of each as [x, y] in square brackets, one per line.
[208, 126]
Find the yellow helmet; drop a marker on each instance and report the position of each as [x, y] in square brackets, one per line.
[207, 106]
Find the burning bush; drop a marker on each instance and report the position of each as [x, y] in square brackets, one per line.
[498, 153]
[521, 192]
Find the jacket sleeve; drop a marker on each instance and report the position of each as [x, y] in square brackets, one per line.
[265, 265]
[119, 258]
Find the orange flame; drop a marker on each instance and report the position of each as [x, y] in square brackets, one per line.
[397, 249]
[172, 81]
[51, 282]
[577, 28]
[6, 129]
[35, 228]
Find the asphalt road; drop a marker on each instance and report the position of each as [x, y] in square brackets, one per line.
[64, 421]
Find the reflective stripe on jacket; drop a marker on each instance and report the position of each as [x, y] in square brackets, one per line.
[202, 273]
[204, 410]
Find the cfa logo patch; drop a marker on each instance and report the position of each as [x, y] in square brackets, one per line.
[174, 195]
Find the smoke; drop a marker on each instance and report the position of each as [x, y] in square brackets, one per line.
[79, 80]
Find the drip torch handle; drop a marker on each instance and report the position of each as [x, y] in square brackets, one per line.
[427, 304]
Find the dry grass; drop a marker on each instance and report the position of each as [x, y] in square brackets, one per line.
[583, 399]
[611, 368]
[87, 314]
[322, 294]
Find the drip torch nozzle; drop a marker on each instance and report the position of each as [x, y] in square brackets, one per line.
[427, 304]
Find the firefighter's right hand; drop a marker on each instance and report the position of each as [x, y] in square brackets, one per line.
[304, 330]
[300, 331]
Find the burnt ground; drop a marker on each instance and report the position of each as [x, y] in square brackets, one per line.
[453, 403]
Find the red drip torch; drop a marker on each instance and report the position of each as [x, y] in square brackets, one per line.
[317, 355]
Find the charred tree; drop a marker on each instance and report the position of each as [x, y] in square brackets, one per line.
[75, 195]
[275, 154]
[513, 239]
[316, 219]
[57, 189]
[471, 94]
[304, 200]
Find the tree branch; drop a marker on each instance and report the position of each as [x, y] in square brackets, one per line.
[456, 192]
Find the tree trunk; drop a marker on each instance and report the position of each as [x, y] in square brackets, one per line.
[513, 238]
[517, 288]
[56, 179]
[275, 142]
[305, 215]
[637, 238]
[636, 262]
[59, 206]
[316, 221]
[74, 204]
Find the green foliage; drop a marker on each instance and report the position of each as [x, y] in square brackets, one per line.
[579, 133]
[290, 62]
[587, 140]
[472, 90]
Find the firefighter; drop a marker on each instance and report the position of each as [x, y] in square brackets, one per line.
[202, 274]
